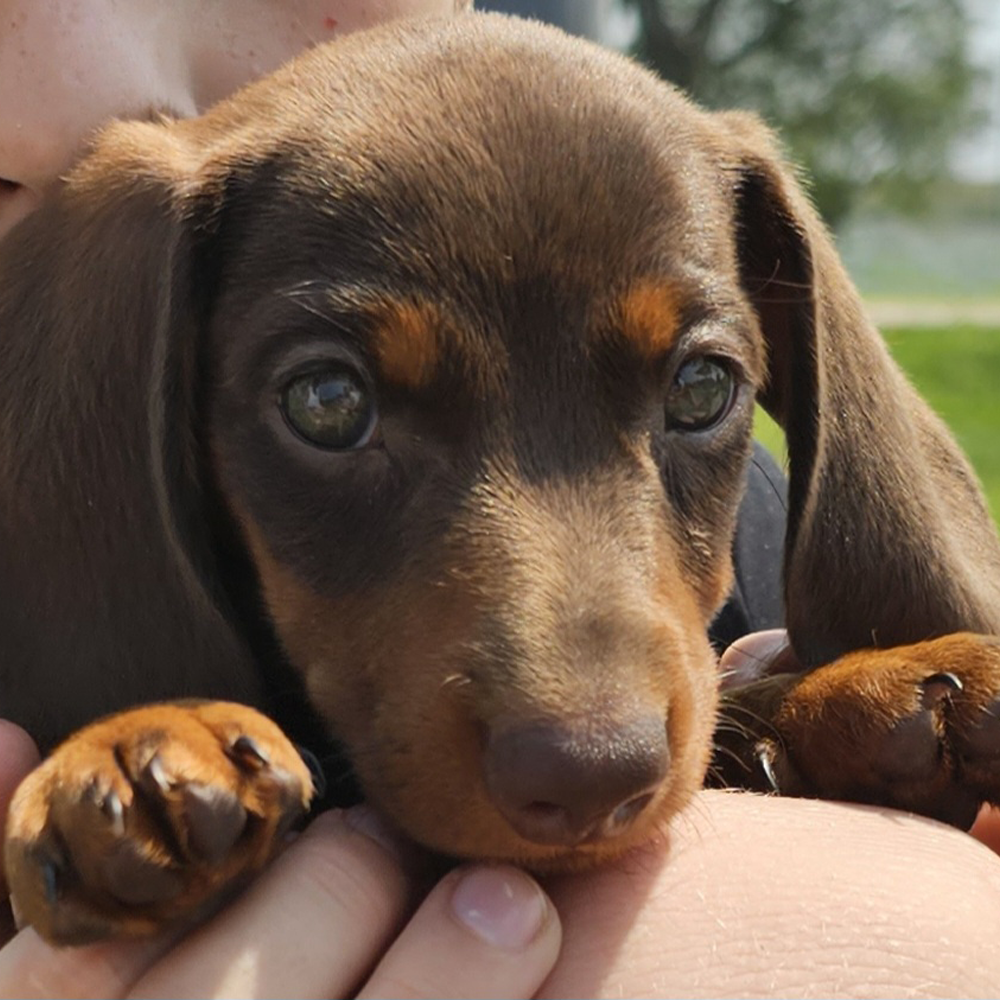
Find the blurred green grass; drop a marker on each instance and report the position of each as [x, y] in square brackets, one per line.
[957, 370]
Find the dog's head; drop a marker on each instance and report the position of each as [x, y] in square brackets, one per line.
[483, 420]
[455, 329]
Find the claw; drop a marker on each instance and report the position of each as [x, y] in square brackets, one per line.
[247, 754]
[940, 687]
[50, 881]
[155, 772]
[106, 800]
[765, 757]
[315, 772]
[111, 806]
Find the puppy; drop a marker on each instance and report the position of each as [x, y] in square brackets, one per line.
[418, 378]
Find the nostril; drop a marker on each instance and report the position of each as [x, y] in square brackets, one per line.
[545, 814]
[556, 784]
[543, 810]
[626, 813]
[16, 201]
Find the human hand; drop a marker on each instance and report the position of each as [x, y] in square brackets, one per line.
[18, 755]
[334, 915]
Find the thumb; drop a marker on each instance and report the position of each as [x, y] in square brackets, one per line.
[18, 755]
[756, 656]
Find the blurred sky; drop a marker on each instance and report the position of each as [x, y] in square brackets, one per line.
[978, 157]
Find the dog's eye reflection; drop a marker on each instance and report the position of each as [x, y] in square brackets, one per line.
[702, 394]
[330, 407]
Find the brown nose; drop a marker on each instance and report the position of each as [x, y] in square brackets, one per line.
[559, 786]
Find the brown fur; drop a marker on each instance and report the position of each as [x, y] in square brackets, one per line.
[406, 345]
[519, 237]
[648, 316]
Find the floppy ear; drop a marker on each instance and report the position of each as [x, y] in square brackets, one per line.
[107, 525]
[889, 539]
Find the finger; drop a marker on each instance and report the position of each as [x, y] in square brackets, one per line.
[756, 656]
[31, 968]
[312, 925]
[18, 755]
[986, 829]
[482, 932]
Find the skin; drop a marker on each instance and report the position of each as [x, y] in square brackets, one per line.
[752, 896]
[782, 897]
[66, 66]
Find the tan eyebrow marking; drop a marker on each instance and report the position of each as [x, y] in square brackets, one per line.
[407, 342]
[648, 316]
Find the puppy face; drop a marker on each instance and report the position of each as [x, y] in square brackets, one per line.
[479, 396]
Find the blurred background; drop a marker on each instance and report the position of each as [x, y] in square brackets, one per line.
[892, 107]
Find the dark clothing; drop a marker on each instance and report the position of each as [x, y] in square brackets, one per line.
[756, 601]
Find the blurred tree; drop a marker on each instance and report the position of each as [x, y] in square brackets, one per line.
[866, 93]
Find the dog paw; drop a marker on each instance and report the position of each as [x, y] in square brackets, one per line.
[915, 727]
[149, 817]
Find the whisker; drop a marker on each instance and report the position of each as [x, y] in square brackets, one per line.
[718, 748]
[728, 726]
[729, 707]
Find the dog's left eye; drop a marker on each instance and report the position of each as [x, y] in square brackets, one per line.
[702, 394]
[331, 407]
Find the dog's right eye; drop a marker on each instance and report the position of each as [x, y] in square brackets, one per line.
[331, 407]
[703, 393]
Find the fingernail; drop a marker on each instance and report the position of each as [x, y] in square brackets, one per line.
[502, 906]
[16, 913]
[367, 822]
[754, 657]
